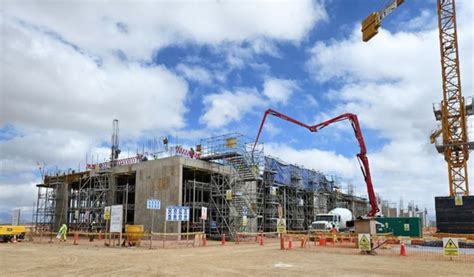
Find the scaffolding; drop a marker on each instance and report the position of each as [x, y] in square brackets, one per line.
[88, 197]
[237, 195]
[45, 208]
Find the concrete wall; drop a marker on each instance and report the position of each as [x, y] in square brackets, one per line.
[159, 179]
[162, 179]
[62, 197]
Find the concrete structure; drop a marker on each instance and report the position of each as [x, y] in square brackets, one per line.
[240, 189]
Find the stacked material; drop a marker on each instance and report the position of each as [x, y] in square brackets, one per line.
[452, 218]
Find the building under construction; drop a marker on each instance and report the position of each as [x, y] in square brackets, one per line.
[240, 188]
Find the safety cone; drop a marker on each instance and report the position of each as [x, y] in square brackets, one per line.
[290, 243]
[322, 241]
[100, 235]
[302, 242]
[261, 239]
[223, 240]
[76, 238]
[204, 242]
[403, 251]
[14, 239]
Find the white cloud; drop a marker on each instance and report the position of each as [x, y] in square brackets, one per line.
[391, 83]
[279, 90]
[222, 108]
[195, 73]
[140, 29]
[50, 85]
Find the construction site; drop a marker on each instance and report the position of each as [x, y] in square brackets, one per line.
[240, 189]
[224, 204]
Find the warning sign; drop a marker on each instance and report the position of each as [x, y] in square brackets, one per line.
[451, 247]
[228, 194]
[107, 213]
[281, 226]
[364, 242]
[458, 200]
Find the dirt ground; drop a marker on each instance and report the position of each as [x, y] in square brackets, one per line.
[55, 259]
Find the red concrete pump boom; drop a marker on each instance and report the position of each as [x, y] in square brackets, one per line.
[362, 157]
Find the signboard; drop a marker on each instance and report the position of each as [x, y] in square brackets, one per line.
[116, 218]
[281, 226]
[177, 213]
[153, 204]
[105, 165]
[458, 200]
[245, 220]
[107, 213]
[451, 247]
[364, 242]
[228, 194]
[16, 217]
[187, 152]
[204, 213]
[273, 191]
[213, 225]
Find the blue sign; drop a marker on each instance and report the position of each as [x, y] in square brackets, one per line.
[153, 204]
[177, 213]
[213, 225]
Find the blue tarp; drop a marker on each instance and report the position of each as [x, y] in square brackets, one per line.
[292, 175]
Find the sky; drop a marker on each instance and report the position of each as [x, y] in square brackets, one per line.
[195, 69]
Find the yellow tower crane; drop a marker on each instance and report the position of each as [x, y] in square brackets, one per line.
[453, 111]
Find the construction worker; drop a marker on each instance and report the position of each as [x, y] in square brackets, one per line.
[63, 232]
[91, 230]
[334, 233]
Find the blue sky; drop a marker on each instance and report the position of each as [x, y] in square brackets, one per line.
[193, 70]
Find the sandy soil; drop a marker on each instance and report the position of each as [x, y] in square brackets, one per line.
[34, 259]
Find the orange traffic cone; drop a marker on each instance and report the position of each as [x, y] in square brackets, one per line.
[223, 240]
[403, 251]
[76, 238]
[100, 235]
[322, 241]
[290, 244]
[261, 239]
[14, 239]
[204, 243]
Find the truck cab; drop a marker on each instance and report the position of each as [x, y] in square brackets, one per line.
[324, 222]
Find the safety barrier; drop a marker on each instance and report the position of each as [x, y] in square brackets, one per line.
[150, 240]
[254, 238]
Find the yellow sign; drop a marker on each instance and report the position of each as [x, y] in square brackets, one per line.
[231, 142]
[451, 247]
[245, 220]
[458, 200]
[228, 194]
[281, 226]
[364, 242]
[107, 213]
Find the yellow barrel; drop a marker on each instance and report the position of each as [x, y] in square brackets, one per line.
[134, 233]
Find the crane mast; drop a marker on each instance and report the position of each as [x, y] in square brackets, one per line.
[455, 145]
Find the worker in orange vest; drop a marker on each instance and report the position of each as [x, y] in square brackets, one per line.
[334, 233]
